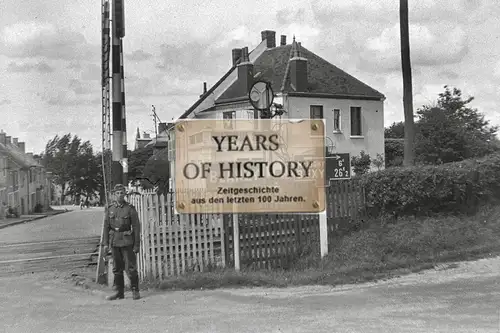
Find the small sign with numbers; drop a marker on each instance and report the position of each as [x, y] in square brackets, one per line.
[338, 166]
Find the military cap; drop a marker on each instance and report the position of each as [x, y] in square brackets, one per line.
[119, 187]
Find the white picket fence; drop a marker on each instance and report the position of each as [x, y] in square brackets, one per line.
[175, 244]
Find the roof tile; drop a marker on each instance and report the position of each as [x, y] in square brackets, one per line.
[323, 77]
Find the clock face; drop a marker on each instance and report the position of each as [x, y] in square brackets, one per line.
[255, 95]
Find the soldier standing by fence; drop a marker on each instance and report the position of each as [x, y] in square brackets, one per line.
[122, 232]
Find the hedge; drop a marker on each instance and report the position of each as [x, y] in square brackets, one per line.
[459, 187]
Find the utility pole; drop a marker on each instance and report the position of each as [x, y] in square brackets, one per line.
[154, 119]
[106, 127]
[119, 168]
[409, 147]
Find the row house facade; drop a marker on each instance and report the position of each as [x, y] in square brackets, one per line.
[24, 182]
[306, 86]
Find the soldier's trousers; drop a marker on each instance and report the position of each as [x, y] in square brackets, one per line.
[124, 259]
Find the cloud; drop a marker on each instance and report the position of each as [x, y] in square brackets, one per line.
[70, 98]
[238, 37]
[194, 58]
[92, 72]
[289, 15]
[139, 55]
[451, 75]
[422, 11]
[40, 67]
[74, 65]
[35, 39]
[161, 85]
[5, 101]
[428, 48]
[81, 88]
[496, 70]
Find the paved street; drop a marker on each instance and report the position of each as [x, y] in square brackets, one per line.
[58, 242]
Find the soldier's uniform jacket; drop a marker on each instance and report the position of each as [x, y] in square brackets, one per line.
[121, 226]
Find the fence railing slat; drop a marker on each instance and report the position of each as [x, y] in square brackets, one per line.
[173, 244]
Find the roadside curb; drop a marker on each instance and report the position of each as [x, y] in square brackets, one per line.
[31, 219]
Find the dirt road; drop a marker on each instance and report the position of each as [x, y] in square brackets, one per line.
[464, 299]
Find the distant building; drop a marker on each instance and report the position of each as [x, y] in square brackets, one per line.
[141, 142]
[24, 182]
[161, 141]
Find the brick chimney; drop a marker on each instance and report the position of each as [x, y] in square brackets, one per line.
[162, 127]
[270, 36]
[245, 72]
[146, 136]
[2, 137]
[298, 68]
[21, 146]
[14, 141]
[236, 53]
[283, 40]
[7, 139]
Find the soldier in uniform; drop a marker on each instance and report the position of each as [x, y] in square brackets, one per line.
[122, 233]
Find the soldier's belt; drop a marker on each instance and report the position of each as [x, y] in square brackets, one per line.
[121, 229]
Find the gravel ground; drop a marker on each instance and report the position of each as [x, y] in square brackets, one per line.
[462, 299]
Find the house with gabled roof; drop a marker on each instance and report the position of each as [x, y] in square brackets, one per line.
[23, 180]
[307, 86]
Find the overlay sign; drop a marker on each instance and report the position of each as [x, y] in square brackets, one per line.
[250, 166]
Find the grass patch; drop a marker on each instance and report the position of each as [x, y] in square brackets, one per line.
[375, 253]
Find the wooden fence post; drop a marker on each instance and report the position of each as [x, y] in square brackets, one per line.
[101, 277]
[323, 229]
[236, 242]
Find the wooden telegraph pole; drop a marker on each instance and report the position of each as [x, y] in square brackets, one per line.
[409, 148]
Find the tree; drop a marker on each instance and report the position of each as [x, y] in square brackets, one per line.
[395, 131]
[88, 177]
[100, 175]
[71, 162]
[409, 155]
[157, 172]
[137, 161]
[452, 131]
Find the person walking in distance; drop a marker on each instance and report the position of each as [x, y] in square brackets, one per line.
[122, 234]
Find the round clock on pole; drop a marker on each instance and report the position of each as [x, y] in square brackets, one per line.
[261, 95]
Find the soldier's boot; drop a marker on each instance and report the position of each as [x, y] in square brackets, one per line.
[134, 283]
[119, 287]
[135, 294]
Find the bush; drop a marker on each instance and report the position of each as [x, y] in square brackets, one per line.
[361, 164]
[379, 161]
[394, 153]
[423, 190]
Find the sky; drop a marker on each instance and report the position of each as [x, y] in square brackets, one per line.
[50, 55]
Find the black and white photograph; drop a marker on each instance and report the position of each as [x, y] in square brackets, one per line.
[250, 166]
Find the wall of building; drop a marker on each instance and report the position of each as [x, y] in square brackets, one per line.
[372, 125]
